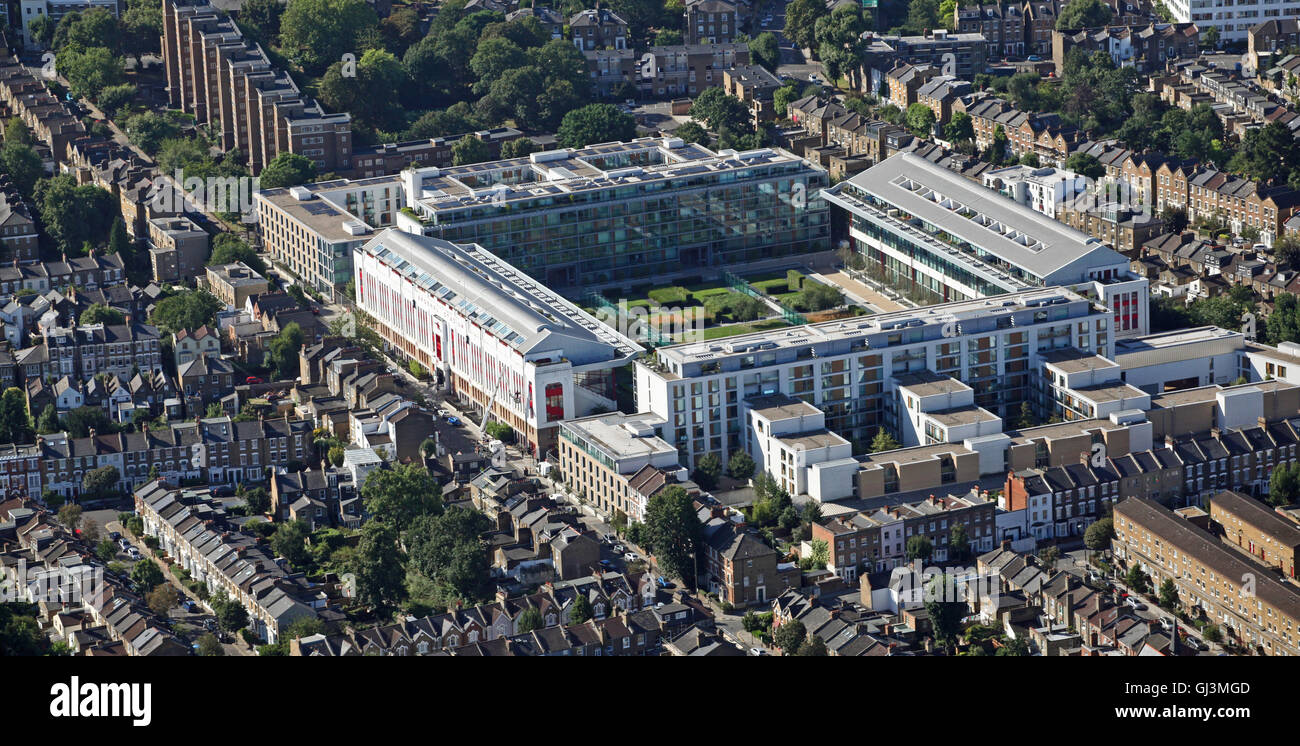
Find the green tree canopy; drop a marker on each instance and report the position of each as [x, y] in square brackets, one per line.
[401, 495]
[317, 33]
[595, 123]
[1080, 14]
[188, 310]
[287, 169]
[674, 530]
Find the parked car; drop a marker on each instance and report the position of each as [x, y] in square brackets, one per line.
[133, 553]
[1034, 58]
[114, 536]
[252, 379]
[618, 549]
[1166, 622]
[1193, 643]
[1135, 603]
[607, 564]
[453, 421]
[663, 582]
[757, 651]
[631, 557]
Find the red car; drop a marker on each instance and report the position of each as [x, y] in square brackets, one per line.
[252, 379]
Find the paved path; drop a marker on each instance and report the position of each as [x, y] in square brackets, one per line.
[864, 295]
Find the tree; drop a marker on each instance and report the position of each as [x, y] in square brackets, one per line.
[401, 495]
[90, 70]
[1284, 484]
[1137, 580]
[960, 128]
[210, 646]
[790, 635]
[784, 96]
[186, 311]
[448, 550]
[919, 547]
[707, 470]
[801, 22]
[1099, 534]
[1168, 594]
[315, 33]
[257, 501]
[162, 599]
[100, 482]
[106, 550]
[470, 149]
[1284, 322]
[118, 242]
[42, 29]
[1085, 164]
[1081, 14]
[287, 169]
[113, 98]
[595, 123]
[945, 614]
[22, 164]
[1286, 249]
[580, 611]
[667, 37]
[336, 455]
[1268, 153]
[263, 16]
[818, 297]
[517, 148]
[147, 575]
[231, 615]
[839, 42]
[70, 516]
[720, 111]
[283, 351]
[290, 541]
[814, 646]
[15, 423]
[764, 50]
[530, 619]
[74, 215]
[228, 248]
[883, 442]
[48, 422]
[674, 530]
[80, 421]
[740, 465]
[958, 542]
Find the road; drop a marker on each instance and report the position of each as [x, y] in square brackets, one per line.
[1152, 611]
[194, 623]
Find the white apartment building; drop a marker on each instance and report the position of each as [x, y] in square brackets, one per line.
[491, 333]
[1042, 190]
[788, 435]
[934, 235]
[852, 370]
[1232, 20]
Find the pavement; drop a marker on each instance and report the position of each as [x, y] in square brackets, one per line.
[1152, 610]
[195, 621]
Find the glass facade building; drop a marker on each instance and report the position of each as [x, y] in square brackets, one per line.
[627, 212]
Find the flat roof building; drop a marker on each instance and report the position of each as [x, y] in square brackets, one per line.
[937, 236]
[600, 456]
[852, 369]
[491, 333]
[607, 214]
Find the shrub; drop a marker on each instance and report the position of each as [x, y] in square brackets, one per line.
[670, 296]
